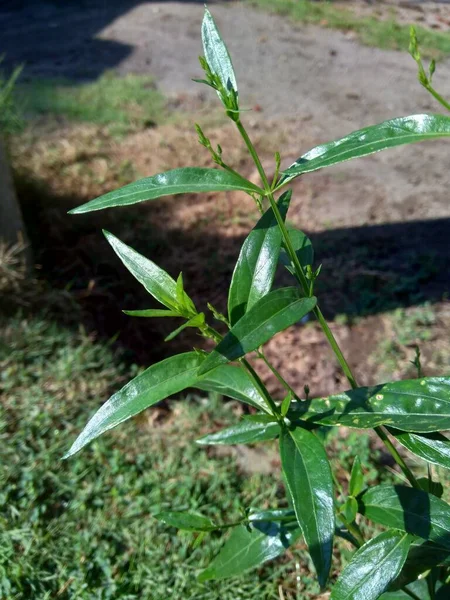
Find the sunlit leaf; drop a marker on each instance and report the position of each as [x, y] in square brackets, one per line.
[245, 432]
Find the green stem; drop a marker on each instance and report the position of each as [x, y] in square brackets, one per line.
[278, 375]
[380, 431]
[410, 593]
[318, 313]
[274, 410]
[438, 97]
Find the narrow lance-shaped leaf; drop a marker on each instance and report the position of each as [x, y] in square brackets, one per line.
[177, 181]
[159, 381]
[255, 268]
[186, 521]
[156, 281]
[232, 382]
[395, 132]
[275, 312]
[432, 447]
[373, 567]
[217, 56]
[310, 484]
[245, 432]
[422, 556]
[410, 510]
[250, 548]
[417, 405]
[151, 312]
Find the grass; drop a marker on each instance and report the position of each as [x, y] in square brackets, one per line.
[84, 528]
[385, 34]
[123, 104]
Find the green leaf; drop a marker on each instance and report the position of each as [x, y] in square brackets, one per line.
[156, 281]
[356, 478]
[432, 447]
[245, 432]
[186, 521]
[350, 509]
[302, 247]
[156, 383]
[410, 510]
[310, 484]
[395, 132]
[255, 268]
[151, 312]
[278, 514]
[196, 321]
[422, 557]
[178, 181]
[373, 567]
[249, 548]
[275, 312]
[417, 405]
[217, 56]
[232, 382]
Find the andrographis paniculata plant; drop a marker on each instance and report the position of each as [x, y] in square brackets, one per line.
[416, 542]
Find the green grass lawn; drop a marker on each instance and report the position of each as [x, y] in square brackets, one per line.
[83, 528]
[123, 103]
[386, 34]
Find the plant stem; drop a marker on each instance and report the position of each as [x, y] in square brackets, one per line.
[438, 97]
[275, 411]
[381, 432]
[300, 274]
[410, 593]
[277, 374]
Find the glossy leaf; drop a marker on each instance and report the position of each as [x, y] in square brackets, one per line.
[255, 268]
[250, 548]
[310, 485]
[395, 132]
[356, 478]
[275, 312]
[245, 432]
[303, 249]
[432, 447]
[156, 281]
[156, 383]
[410, 510]
[350, 509]
[278, 514]
[151, 312]
[417, 405]
[232, 382]
[373, 567]
[177, 181]
[186, 521]
[216, 54]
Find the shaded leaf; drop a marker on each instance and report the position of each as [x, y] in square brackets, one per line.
[232, 382]
[432, 447]
[278, 514]
[156, 383]
[177, 181]
[356, 478]
[186, 521]
[418, 405]
[310, 485]
[373, 567]
[255, 268]
[245, 432]
[422, 557]
[395, 132]
[275, 312]
[249, 548]
[303, 249]
[151, 312]
[410, 510]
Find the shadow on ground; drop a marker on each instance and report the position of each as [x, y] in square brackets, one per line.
[366, 270]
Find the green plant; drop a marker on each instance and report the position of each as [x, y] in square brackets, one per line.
[9, 115]
[412, 412]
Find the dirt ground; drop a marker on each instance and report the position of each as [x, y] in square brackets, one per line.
[380, 225]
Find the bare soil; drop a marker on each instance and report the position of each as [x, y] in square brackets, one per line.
[380, 225]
